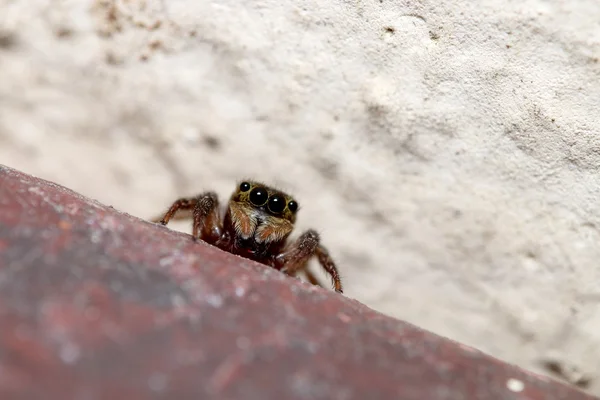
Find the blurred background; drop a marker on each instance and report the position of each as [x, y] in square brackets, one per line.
[448, 153]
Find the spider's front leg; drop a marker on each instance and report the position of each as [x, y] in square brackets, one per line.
[312, 278]
[205, 213]
[295, 257]
[207, 222]
[185, 204]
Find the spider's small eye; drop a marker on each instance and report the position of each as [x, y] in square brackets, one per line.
[244, 186]
[258, 196]
[276, 204]
[293, 206]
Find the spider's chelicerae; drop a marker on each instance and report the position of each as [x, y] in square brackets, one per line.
[256, 225]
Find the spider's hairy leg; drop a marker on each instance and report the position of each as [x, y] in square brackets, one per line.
[183, 204]
[207, 222]
[328, 265]
[312, 278]
[295, 257]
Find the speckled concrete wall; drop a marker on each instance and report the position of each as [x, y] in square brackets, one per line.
[448, 152]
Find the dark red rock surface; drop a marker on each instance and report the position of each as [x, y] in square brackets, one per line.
[96, 304]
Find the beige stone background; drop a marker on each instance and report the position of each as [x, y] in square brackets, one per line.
[448, 152]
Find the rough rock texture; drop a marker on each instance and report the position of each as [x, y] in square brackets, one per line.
[447, 151]
[96, 304]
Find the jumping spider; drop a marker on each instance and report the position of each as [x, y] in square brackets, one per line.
[256, 225]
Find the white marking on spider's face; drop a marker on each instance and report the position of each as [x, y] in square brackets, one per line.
[251, 222]
[246, 231]
[272, 229]
[244, 220]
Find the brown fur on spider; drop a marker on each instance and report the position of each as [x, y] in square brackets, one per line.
[256, 225]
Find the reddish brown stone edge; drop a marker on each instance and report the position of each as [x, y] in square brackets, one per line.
[97, 304]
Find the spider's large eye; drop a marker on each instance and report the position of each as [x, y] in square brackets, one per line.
[244, 187]
[276, 204]
[258, 196]
[293, 206]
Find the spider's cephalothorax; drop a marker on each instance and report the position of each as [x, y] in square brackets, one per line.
[256, 225]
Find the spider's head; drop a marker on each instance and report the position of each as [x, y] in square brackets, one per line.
[261, 211]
